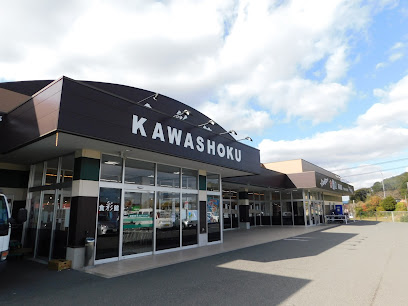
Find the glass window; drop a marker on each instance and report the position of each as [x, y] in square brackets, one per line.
[189, 179]
[299, 214]
[32, 220]
[287, 213]
[111, 169]
[266, 213]
[213, 218]
[276, 195]
[138, 223]
[286, 195]
[168, 176]
[189, 219]
[51, 174]
[46, 219]
[297, 194]
[107, 244]
[276, 213]
[4, 217]
[67, 168]
[62, 223]
[139, 172]
[213, 182]
[38, 174]
[167, 220]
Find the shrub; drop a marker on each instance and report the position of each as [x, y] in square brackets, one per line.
[401, 206]
[389, 203]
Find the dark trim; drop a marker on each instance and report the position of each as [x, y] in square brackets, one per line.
[243, 195]
[86, 168]
[51, 187]
[202, 182]
[14, 178]
[82, 220]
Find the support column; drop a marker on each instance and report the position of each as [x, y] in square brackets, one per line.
[84, 204]
[243, 203]
[202, 199]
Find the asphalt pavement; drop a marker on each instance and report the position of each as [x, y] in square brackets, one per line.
[363, 263]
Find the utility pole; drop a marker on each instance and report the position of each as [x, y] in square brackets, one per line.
[383, 183]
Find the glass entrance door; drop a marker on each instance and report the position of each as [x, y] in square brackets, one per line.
[45, 225]
[107, 239]
[138, 223]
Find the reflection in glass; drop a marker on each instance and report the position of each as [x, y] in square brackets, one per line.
[213, 218]
[139, 172]
[227, 214]
[234, 214]
[266, 213]
[59, 249]
[111, 169]
[287, 213]
[138, 223]
[168, 176]
[189, 217]
[189, 179]
[213, 182]
[51, 174]
[38, 174]
[297, 194]
[276, 213]
[307, 212]
[107, 243]
[299, 214]
[30, 234]
[167, 220]
[67, 168]
[46, 218]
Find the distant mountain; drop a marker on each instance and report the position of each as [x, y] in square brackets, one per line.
[395, 186]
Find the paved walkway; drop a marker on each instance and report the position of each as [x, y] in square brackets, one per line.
[233, 240]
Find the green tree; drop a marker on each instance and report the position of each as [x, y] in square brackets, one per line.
[373, 203]
[401, 206]
[389, 203]
[360, 195]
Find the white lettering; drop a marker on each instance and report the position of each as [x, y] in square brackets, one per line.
[137, 125]
[174, 134]
[188, 142]
[221, 150]
[237, 155]
[229, 153]
[158, 132]
[211, 147]
[200, 144]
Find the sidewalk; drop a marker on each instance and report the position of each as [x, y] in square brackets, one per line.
[233, 240]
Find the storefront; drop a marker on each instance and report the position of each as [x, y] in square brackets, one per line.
[138, 172]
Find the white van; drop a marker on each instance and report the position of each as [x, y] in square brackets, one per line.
[5, 227]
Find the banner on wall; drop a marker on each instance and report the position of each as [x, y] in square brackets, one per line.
[213, 210]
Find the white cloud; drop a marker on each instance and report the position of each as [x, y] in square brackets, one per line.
[380, 65]
[393, 111]
[395, 56]
[397, 45]
[381, 132]
[193, 51]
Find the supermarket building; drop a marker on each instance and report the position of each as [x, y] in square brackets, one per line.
[140, 173]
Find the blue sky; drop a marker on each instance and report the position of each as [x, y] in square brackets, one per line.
[326, 81]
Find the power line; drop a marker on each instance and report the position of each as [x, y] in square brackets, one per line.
[381, 163]
[374, 171]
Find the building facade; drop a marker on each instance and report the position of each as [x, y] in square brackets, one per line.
[139, 172]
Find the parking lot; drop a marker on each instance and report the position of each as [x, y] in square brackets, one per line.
[362, 263]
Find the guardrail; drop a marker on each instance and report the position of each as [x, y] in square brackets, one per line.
[383, 216]
[336, 219]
